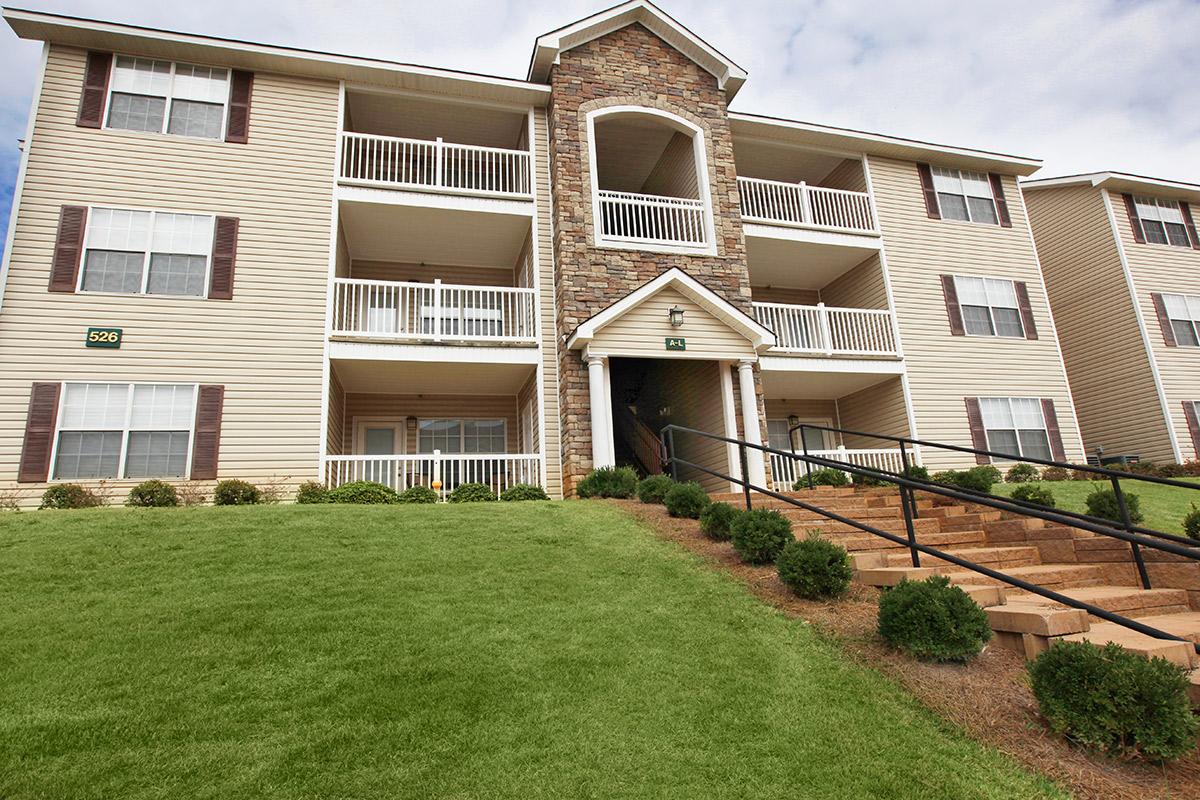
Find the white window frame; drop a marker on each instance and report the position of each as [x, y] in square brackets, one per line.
[125, 431]
[1020, 453]
[970, 220]
[1143, 201]
[1188, 300]
[462, 433]
[170, 99]
[141, 292]
[989, 307]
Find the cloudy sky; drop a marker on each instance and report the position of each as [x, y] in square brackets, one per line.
[1083, 84]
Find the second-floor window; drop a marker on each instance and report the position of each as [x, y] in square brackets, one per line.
[1183, 311]
[989, 307]
[1016, 426]
[165, 97]
[965, 196]
[146, 252]
[1162, 221]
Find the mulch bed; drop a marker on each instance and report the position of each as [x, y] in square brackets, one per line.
[989, 698]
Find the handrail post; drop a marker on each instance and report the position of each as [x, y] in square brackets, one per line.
[1128, 523]
[907, 492]
[745, 474]
[804, 446]
[669, 440]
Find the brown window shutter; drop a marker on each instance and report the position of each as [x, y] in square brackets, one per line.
[1190, 224]
[1189, 414]
[1139, 235]
[241, 86]
[978, 434]
[206, 442]
[1164, 322]
[1053, 433]
[953, 309]
[931, 201]
[68, 248]
[1001, 203]
[1026, 309]
[95, 90]
[224, 254]
[39, 433]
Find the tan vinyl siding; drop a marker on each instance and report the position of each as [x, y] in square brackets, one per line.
[428, 273]
[1110, 373]
[527, 399]
[265, 345]
[847, 175]
[696, 389]
[876, 409]
[337, 416]
[943, 369]
[861, 287]
[675, 173]
[408, 409]
[643, 330]
[543, 220]
[779, 294]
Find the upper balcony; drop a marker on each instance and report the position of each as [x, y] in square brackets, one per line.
[798, 205]
[827, 331]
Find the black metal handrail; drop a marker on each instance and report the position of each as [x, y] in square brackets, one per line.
[909, 484]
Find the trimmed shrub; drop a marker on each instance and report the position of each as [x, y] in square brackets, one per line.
[654, 488]
[153, 494]
[1056, 474]
[976, 479]
[989, 472]
[363, 493]
[1021, 473]
[947, 477]
[866, 480]
[917, 473]
[236, 493]
[815, 568]
[1103, 503]
[1034, 493]
[620, 482]
[472, 493]
[933, 620]
[826, 476]
[717, 519]
[69, 495]
[1083, 475]
[311, 492]
[1192, 468]
[523, 491]
[687, 500]
[1173, 471]
[1113, 700]
[758, 536]
[1191, 523]
[418, 494]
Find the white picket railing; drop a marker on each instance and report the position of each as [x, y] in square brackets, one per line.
[498, 471]
[652, 219]
[799, 204]
[785, 471]
[827, 330]
[403, 310]
[434, 165]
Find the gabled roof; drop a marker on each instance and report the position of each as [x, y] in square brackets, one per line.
[760, 337]
[549, 46]
[1120, 182]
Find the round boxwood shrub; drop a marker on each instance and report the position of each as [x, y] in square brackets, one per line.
[687, 500]
[654, 488]
[69, 495]
[917, 473]
[364, 493]
[866, 480]
[524, 491]
[815, 568]
[1056, 474]
[236, 493]
[418, 494]
[933, 620]
[153, 494]
[1034, 493]
[1113, 700]
[311, 492]
[472, 493]
[620, 482]
[1021, 473]
[716, 521]
[826, 476]
[1191, 523]
[1103, 503]
[976, 479]
[759, 535]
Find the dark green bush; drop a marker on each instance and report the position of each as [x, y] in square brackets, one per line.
[608, 482]
[523, 491]
[815, 568]
[866, 480]
[1056, 474]
[471, 493]
[654, 488]
[975, 479]
[758, 536]
[933, 620]
[311, 492]
[717, 519]
[1103, 503]
[236, 493]
[1083, 475]
[826, 476]
[70, 495]
[1191, 523]
[993, 474]
[687, 500]
[152, 494]
[418, 494]
[917, 473]
[1021, 473]
[1034, 493]
[1113, 700]
[1173, 471]
[364, 493]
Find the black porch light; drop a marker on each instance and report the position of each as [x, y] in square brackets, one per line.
[675, 313]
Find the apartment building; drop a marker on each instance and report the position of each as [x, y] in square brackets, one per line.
[239, 260]
[1121, 258]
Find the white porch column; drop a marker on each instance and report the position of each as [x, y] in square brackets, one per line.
[729, 412]
[750, 423]
[602, 455]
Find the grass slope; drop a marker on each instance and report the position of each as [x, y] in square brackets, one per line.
[1163, 506]
[545, 650]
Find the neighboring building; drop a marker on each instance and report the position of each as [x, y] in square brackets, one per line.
[328, 267]
[1122, 263]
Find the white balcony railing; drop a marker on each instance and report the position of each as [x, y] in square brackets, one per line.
[799, 204]
[437, 311]
[434, 165]
[824, 330]
[786, 471]
[652, 219]
[499, 471]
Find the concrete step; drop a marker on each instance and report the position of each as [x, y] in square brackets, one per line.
[1132, 601]
[1038, 619]
[891, 525]
[859, 541]
[1185, 624]
[1051, 576]
[1001, 558]
[1101, 633]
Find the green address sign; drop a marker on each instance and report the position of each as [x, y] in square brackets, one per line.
[102, 337]
[676, 343]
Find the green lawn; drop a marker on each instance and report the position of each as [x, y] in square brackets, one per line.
[1163, 506]
[540, 650]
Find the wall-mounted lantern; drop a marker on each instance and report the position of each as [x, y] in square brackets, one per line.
[675, 313]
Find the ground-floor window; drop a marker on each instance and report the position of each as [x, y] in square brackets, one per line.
[778, 437]
[461, 435]
[1016, 426]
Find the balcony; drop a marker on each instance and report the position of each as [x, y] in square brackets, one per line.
[822, 330]
[786, 471]
[392, 162]
[400, 472]
[803, 206]
[628, 217]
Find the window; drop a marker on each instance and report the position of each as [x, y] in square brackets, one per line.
[1162, 221]
[1184, 313]
[965, 196]
[1015, 426]
[164, 97]
[146, 252]
[989, 307]
[111, 430]
[461, 436]
[778, 439]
